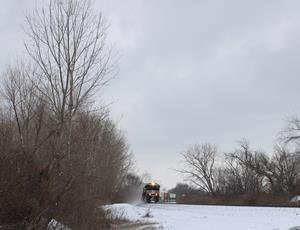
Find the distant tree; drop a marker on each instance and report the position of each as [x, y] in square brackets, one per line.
[279, 170]
[199, 166]
[291, 133]
[235, 178]
[182, 188]
[286, 166]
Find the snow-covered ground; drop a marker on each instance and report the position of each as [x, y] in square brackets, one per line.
[176, 216]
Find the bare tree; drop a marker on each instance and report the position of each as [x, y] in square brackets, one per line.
[38, 183]
[279, 170]
[286, 168]
[291, 133]
[67, 42]
[63, 160]
[199, 166]
[239, 179]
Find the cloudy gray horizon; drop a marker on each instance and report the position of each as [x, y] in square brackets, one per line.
[191, 72]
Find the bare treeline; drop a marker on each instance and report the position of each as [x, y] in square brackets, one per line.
[59, 157]
[245, 170]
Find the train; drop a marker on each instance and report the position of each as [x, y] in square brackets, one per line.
[151, 192]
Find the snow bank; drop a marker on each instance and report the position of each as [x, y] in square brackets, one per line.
[174, 216]
[127, 211]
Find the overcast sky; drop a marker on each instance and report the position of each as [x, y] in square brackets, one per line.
[192, 72]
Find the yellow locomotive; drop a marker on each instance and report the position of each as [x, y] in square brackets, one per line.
[151, 192]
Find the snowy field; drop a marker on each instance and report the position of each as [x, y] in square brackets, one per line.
[176, 216]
